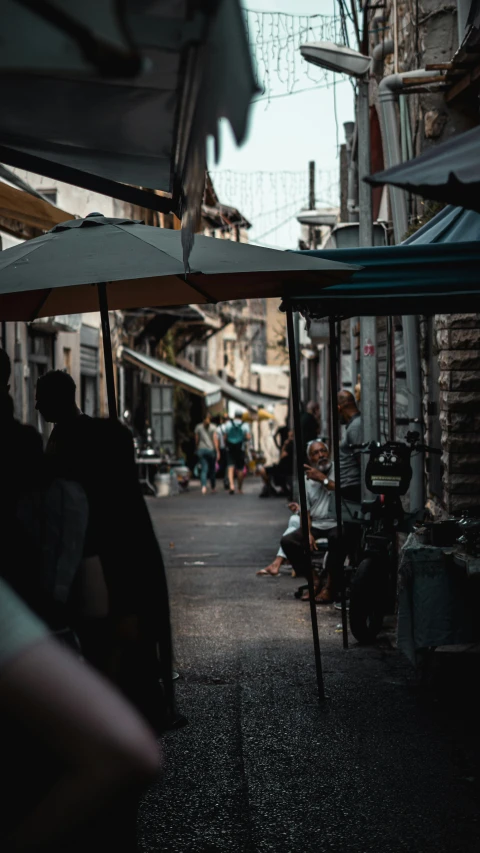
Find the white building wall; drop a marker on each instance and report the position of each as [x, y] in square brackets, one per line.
[80, 203]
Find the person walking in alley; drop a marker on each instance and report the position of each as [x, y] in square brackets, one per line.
[99, 454]
[208, 452]
[222, 446]
[236, 434]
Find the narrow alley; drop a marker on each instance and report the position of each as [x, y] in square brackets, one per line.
[262, 766]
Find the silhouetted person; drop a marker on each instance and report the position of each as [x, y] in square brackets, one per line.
[21, 473]
[310, 423]
[99, 454]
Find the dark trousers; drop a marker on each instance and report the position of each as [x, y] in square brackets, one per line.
[223, 467]
[338, 549]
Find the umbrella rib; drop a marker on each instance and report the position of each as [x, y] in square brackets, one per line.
[45, 295]
[198, 289]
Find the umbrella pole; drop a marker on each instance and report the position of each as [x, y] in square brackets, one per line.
[107, 349]
[303, 497]
[336, 461]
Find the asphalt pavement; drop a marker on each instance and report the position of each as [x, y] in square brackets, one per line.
[263, 766]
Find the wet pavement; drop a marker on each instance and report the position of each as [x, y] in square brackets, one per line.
[262, 765]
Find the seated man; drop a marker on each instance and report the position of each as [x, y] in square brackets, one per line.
[321, 523]
[294, 523]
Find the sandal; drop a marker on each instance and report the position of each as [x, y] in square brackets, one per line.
[324, 597]
[306, 594]
[265, 572]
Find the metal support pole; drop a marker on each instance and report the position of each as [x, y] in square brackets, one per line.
[368, 325]
[303, 498]
[311, 202]
[107, 350]
[336, 463]
[18, 376]
[391, 378]
[364, 165]
[339, 354]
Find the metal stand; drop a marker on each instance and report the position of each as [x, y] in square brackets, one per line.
[303, 498]
[107, 350]
[336, 460]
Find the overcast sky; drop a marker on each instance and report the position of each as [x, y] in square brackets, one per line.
[285, 133]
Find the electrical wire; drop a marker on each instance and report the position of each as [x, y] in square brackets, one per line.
[275, 228]
[299, 91]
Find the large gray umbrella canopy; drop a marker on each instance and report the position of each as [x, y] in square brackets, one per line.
[143, 266]
[136, 265]
[449, 172]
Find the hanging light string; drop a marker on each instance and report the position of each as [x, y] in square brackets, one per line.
[275, 39]
[286, 191]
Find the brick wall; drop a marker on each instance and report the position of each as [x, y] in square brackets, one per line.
[458, 343]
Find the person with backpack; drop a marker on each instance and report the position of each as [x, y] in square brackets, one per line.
[236, 435]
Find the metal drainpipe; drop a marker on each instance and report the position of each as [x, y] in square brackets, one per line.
[350, 130]
[380, 51]
[388, 91]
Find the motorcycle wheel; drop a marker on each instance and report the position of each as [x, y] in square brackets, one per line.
[366, 611]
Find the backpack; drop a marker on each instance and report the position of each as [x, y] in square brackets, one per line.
[235, 434]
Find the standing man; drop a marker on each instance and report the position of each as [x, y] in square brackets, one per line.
[350, 469]
[236, 434]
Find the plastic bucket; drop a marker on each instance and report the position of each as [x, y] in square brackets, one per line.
[162, 485]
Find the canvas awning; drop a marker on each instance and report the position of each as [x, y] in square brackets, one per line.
[195, 384]
[413, 278]
[251, 400]
[30, 209]
[448, 172]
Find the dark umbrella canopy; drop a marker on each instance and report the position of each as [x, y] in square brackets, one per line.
[449, 172]
[143, 265]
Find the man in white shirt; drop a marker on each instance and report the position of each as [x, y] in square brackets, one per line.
[320, 520]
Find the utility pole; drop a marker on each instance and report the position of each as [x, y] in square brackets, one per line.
[311, 202]
[368, 325]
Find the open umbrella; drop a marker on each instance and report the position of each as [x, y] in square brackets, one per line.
[131, 265]
[96, 263]
[449, 172]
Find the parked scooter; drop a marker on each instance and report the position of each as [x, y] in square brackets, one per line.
[373, 568]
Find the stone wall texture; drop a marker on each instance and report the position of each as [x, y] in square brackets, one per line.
[458, 352]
